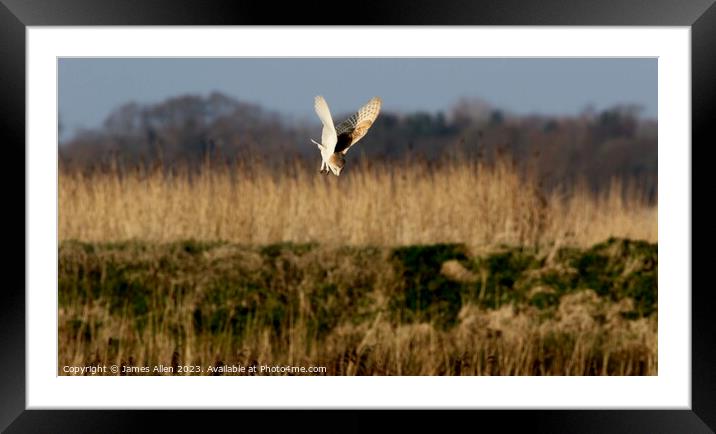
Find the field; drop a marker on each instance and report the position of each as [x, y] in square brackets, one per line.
[451, 268]
[388, 204]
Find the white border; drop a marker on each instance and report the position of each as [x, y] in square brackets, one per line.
[670, 389]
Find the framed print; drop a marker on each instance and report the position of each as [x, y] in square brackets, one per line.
[459, 210]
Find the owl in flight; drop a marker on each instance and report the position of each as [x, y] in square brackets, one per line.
[336, 140]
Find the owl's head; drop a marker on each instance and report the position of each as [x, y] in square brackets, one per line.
[336, 163]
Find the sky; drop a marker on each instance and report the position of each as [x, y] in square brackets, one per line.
[90, 88]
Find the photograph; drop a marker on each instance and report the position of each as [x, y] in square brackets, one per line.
[413, 210]
[357, 216]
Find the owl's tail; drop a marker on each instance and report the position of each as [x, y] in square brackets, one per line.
[320, 146]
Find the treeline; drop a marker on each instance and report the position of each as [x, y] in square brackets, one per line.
[596, 146]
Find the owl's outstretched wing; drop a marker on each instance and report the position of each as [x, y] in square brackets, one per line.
[355, 127]
[328, 136]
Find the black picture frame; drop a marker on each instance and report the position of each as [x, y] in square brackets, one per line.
[16, 15]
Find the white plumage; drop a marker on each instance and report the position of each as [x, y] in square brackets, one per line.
[336, 140]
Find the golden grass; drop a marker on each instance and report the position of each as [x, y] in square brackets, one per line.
[371, 204]
[520, 346]
[149, 305]
[379, 204]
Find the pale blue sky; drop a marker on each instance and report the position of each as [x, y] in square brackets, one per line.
[90, 88]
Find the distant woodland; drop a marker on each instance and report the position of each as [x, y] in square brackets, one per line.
[598, 146]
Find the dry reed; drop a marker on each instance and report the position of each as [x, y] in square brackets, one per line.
[379, 204]
[388, 204]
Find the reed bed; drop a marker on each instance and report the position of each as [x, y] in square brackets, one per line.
[381, 203]
[255, 263]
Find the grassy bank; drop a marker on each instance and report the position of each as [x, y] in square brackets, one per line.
[441, 309]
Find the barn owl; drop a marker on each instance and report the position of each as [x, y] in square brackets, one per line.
[336, 140]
